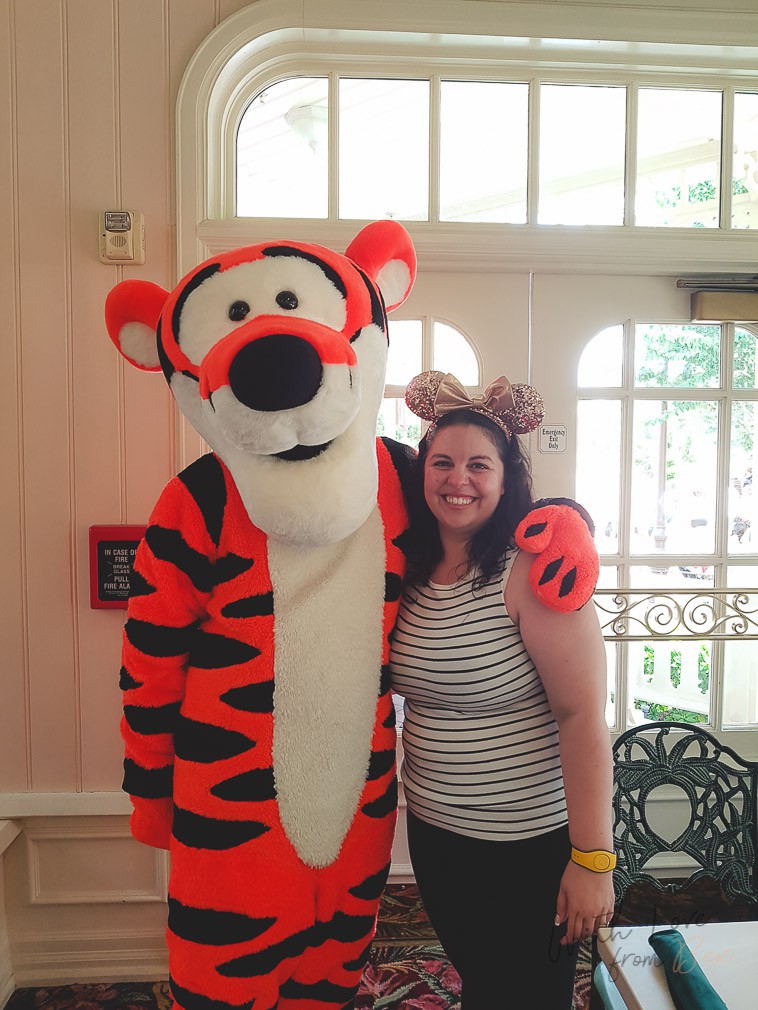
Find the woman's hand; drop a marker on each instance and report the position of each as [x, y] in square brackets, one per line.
[585, 902]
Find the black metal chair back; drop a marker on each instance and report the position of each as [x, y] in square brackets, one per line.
[720, 837]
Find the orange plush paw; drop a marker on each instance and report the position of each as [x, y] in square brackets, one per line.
[564, 573]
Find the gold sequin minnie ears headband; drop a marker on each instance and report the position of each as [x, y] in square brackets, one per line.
[516, 408]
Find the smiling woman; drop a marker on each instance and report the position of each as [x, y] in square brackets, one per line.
[497, 799]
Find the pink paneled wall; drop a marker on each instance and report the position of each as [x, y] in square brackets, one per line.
[87, 96]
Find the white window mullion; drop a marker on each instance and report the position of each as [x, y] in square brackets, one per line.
[533, 154]
[727, 157]
[334, 146]
[435, 131]
[630, 166]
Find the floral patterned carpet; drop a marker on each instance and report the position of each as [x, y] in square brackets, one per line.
[407, 969]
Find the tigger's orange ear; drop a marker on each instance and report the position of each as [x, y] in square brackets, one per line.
[132, 311]
[385, 251]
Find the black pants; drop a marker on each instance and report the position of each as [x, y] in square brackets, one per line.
[492, 905]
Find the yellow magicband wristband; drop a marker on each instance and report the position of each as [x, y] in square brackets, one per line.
[598, 860]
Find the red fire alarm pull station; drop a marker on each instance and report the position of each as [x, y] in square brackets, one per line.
[112, 550]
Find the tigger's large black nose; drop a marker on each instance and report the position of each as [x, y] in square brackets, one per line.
[276, 372]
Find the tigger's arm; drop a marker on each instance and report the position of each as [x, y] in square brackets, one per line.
[565, 570]
[164, 609]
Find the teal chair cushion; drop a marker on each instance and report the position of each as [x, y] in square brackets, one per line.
[607, 988]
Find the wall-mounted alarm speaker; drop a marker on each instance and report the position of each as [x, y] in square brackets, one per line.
[122, 236]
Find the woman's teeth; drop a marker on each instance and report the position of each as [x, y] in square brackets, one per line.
[457, 501]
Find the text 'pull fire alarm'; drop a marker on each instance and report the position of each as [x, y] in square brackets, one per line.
[122, 236]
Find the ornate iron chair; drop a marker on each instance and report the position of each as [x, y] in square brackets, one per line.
[719, 838]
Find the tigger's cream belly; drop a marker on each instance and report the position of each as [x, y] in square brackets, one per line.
[328, 606]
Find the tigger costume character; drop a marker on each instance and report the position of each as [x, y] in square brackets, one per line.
[258, 721]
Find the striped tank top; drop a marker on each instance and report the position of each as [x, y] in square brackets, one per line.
[480, 741]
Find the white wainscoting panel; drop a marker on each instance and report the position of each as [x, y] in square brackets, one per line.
[98, 867]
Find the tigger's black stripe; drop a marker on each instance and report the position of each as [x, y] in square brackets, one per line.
[393, 587]
[251, 698]
[152, 719]
[372, 886]
[384, 683]
[198, 832]
[204, 479]
[551, 571]
[149, 783]
[391, 721]
[343, 928]
[159, 640]
[402, 456]
[215, 652]
[403, 542]
[194, 1001]
[138, 585]
[567, 583]
[126, 682]
[166, 364]
[380, 763]
[194, 282]
[201, 742]
[253, 786]
[211, 927]
[360, 962]
[378, 312]
[261, 605]
[534, 530]
[329, 272]
[385, 804]
[320, 992]
[169, 545]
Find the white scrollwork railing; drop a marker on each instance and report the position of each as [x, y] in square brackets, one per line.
[638, 615]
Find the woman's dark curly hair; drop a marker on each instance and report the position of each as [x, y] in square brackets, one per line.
[487, 548]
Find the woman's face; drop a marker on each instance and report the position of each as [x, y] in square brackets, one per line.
[464, 479]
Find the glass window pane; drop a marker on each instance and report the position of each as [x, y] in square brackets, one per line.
[612, 653]
[665, 576]
[745, 162]
[743, 520]
[673, 501]
[404, 355]
[670, 679]
[602, 359]
[581, 164]
[671, 355]
[744, 359]
[483, 151]
[598, 468]
[740, 683]
[396, 421]
[452, 352]
[678, 158]
[282, 151]
[384, 149]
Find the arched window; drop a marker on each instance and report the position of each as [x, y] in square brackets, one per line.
[417, 345]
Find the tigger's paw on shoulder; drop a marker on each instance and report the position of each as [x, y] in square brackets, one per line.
[564, 573]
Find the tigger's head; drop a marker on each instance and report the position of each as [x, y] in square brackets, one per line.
[276, 354]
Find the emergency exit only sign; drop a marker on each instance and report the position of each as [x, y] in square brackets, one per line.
[552, 438]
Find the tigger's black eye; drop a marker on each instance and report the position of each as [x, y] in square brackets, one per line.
[287, 300]
[238, 311]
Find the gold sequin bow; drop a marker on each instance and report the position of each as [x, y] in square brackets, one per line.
[516, 408]
[452, 395]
